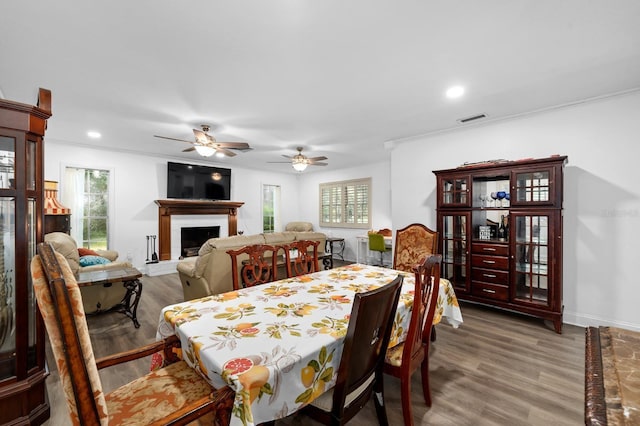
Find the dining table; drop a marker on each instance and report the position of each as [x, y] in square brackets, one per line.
[278, 345]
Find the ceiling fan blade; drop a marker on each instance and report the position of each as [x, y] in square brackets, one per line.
[226, 151]
[318, 164]
[201, 137]
[279, 162]
[172, 139]
[317, 158]
[193, 148]
[287, 156]
[233, 145]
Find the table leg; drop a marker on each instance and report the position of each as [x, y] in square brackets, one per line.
[327, 262]
[131, 300]
[338, 253]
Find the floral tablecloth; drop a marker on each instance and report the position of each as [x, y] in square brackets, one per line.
[278, 345]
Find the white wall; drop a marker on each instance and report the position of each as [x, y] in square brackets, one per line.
[380, 200]
[141, 179]
[601, 194]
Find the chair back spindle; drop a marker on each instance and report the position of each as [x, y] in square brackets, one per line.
[301, 257]
[259, 265]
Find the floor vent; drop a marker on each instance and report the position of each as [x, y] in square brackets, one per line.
[472, 118]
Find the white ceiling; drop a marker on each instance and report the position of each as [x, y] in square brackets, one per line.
[339, 78]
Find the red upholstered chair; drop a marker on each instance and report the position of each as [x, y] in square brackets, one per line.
[402, 360]
[174, 394]
[304, 258]
[360, 371]
[414, 243]
[259, 265]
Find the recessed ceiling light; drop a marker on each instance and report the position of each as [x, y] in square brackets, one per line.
[455, 92]
[94, 135]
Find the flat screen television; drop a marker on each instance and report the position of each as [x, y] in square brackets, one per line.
[194, 182]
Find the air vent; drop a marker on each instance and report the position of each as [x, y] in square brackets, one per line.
[472, 118]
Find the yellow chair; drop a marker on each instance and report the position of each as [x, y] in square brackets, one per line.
[376, 243]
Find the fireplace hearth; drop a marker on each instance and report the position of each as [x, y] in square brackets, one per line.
[192, 238]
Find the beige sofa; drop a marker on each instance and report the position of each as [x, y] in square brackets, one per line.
[96, 297]
[210, 272]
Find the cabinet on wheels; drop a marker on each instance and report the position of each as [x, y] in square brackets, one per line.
[500, 227]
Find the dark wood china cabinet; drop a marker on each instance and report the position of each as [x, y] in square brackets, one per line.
[22, 347]
[500, 227]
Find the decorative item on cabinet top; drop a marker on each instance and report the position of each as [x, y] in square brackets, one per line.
[51, 203]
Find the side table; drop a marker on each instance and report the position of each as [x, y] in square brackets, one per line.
[335, 246]
[128, 277]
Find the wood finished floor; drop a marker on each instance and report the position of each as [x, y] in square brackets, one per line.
[496, 369]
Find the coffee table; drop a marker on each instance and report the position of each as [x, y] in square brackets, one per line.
[129, 279]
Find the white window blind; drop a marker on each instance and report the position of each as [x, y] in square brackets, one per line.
[346, 204]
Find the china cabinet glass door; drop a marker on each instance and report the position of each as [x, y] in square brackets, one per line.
[7, 258]
[455, 191]
[533, 187]
[455, 249]
[532, 248]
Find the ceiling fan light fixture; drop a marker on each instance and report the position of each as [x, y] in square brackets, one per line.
[299, 164]
[205, 150]
[220, 154]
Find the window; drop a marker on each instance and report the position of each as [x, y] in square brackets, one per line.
[346, 204]
[86, 192]
[270, 208]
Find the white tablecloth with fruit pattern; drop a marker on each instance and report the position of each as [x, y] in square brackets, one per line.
[279, 345]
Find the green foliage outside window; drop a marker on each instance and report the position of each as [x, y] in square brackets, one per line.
[96, 209]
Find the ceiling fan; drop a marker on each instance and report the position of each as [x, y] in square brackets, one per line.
[300, 162]
[206, 145]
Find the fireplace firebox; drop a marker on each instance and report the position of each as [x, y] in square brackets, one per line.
[192, 238]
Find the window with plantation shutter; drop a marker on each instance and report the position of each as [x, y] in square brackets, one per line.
[345, 204]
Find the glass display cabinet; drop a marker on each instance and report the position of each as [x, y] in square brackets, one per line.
[500, 227]
[22, 347]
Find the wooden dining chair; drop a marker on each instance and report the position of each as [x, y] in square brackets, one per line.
[301, 257]
[259, 265]
[173, 394]
[403, 359]
[414, 243]
[360, 371]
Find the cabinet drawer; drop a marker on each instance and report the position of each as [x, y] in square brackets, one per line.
[490, 262]
[490, 291]
[490, 276]
[491, 249]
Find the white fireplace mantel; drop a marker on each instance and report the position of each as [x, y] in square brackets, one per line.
[168, 208]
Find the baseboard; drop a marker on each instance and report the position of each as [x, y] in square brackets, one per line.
[594, 321]
[163, 267]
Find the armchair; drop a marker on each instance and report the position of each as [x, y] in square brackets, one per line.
[174, 394]
[96, 297]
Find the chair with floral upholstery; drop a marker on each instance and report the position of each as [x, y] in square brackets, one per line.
[175, 394]
[414, 243]
[405, 358]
